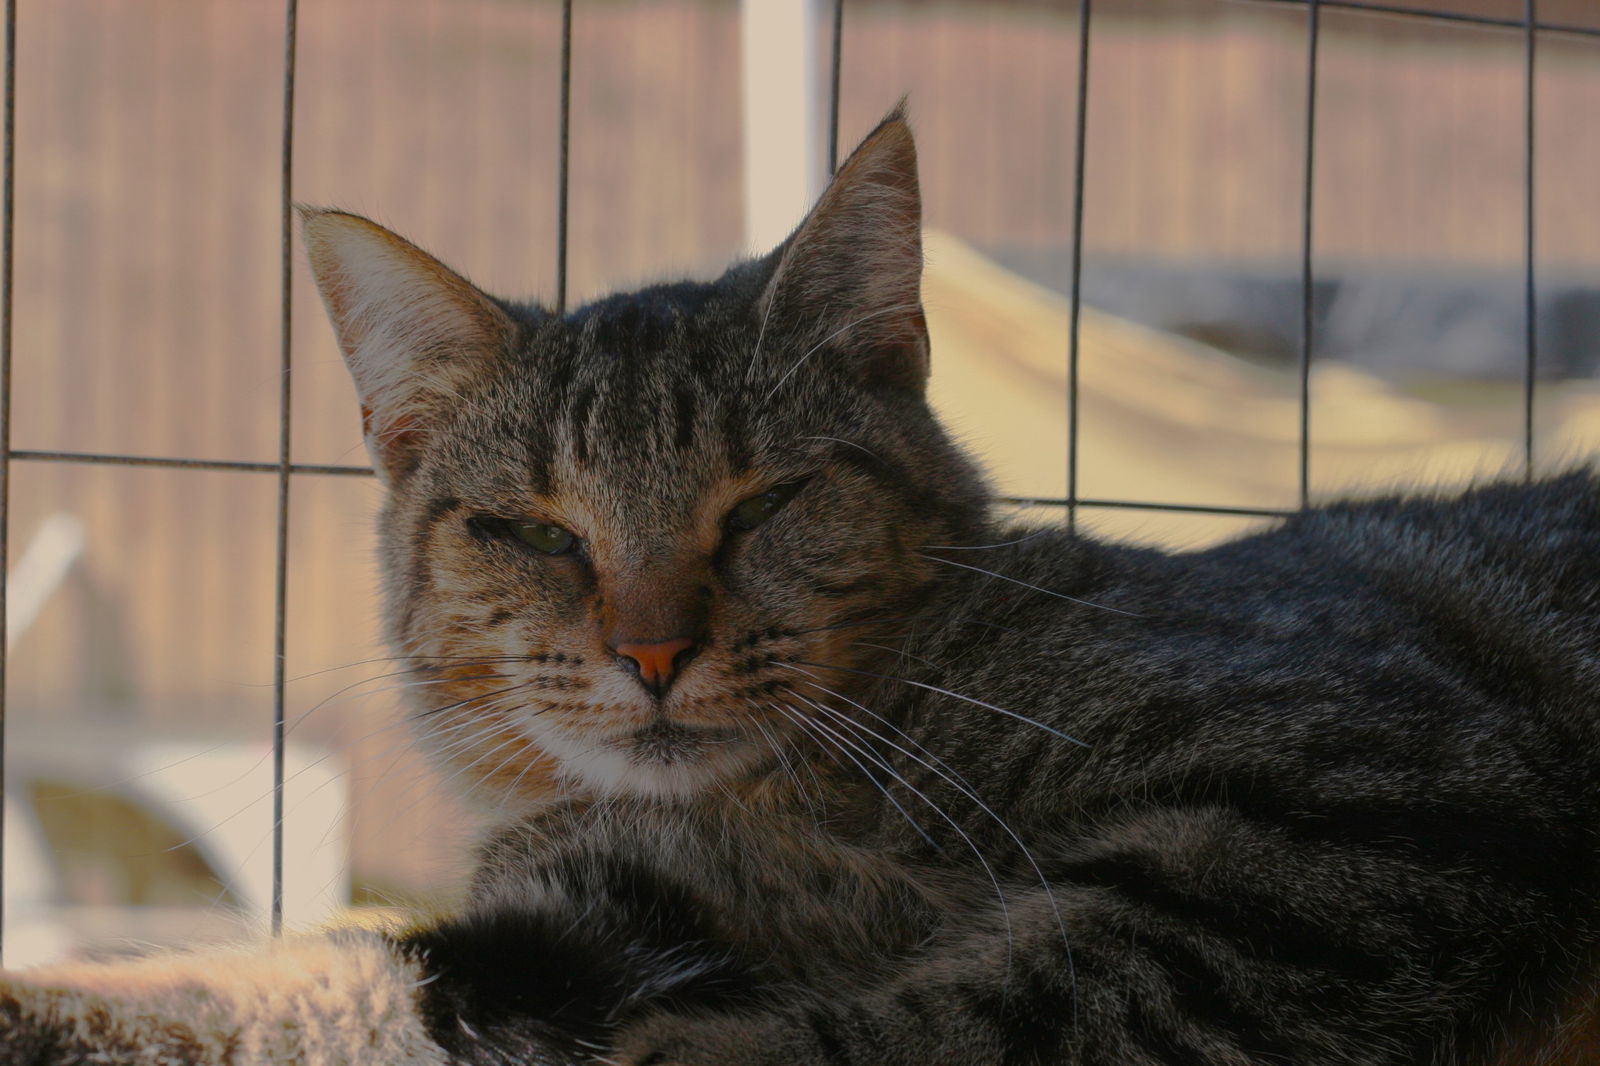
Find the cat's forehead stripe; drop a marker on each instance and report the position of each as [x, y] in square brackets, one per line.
[578, 421]
[439, 508]
[684, 396]
[558, 369]
[731, 432]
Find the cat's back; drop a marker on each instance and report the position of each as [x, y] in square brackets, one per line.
[1513, 565]
[1541, 534]
[1386, 647]
[1500, 584]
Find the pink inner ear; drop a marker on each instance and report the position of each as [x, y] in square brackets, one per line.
[397, 443]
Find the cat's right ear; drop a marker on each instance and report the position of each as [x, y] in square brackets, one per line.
[850, 277]
[412, 330]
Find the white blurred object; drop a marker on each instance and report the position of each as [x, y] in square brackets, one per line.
[222, 797]
[216, 796]
[783, 164]
[46, 563]
[32, 933]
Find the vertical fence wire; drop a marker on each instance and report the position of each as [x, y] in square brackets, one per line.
[1307, 203]
[1080, 142]
[285, 406]
[565, 163]
[7, 200]
[1530, 295]
[833, 98]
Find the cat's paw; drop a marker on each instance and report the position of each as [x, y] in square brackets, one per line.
[712, 1040]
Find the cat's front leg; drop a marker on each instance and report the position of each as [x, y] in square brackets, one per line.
[713, 1040]
[1205, 938]
[811, 1030]
[775, 1038]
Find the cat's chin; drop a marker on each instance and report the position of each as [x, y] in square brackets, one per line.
[663, 759]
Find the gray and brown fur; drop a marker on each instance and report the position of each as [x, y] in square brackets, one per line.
[927, 788]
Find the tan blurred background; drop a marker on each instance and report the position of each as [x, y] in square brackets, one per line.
[147, 307]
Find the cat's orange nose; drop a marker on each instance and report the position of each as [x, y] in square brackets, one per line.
[655, 663]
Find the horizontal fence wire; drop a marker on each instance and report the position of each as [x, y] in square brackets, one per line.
[239, 466]
[1150, 505]
[317, 469]
[1501, 21]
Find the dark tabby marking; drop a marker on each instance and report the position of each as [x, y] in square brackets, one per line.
[644, 947]
[798, 757]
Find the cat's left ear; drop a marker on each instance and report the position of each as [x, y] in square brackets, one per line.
[412, 330]
[850, 277]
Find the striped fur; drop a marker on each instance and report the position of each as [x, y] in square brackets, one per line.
[925, 789]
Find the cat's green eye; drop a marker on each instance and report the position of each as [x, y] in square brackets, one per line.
[757, 509]
[542, 537]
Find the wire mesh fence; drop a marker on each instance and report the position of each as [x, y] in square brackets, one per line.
[1070, 502]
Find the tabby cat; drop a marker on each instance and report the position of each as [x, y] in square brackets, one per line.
[799, 757]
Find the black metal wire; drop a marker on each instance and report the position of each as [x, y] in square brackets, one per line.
[173, 462]
[1530, 292]
[327, 470]
[7, 227]
[1080, 142]
[1307, 295]
[319, 469]
[1440, 16]
[285, 410]
[1150, 505]
[833, 99]
[566, 133]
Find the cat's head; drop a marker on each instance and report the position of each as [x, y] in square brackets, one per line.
[621, 546]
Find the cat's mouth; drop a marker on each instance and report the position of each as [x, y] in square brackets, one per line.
[665, 742]
[664, 757]
[663, 751]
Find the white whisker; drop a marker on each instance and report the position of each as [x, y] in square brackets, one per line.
[985, 547]
[805, 721]
[883, 764]
[761, 334]
[848, 444]
[842, 329]
[943, 692]
[942, 769]
[1036, 588]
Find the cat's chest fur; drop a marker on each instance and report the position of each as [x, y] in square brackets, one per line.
[803, 889]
